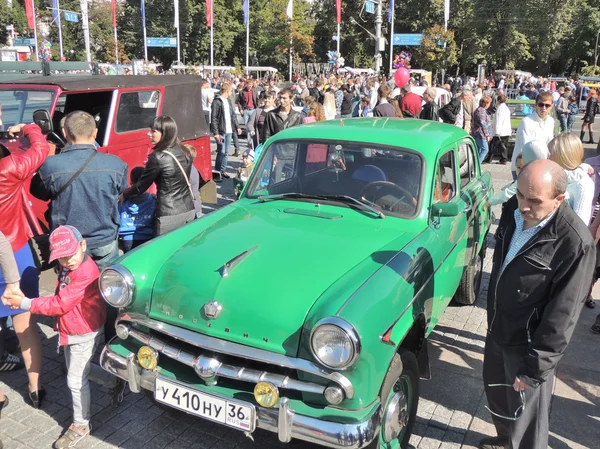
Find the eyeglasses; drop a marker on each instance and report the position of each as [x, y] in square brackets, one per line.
[544, 105]
[519, 410]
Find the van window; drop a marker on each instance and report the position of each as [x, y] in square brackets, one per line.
[136, 110]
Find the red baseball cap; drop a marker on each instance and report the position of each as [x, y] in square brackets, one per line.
[64, 242]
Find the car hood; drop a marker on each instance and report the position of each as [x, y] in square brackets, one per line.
[283, 255]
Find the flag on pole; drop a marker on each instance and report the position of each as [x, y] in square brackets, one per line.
[114, 12]
[209, 11]
[29, 13]
[391, 11]
[338, 7]
[290, 9]
[246, 8]
[446, 11]
[54, 9]
[176, 14]
[143, 8]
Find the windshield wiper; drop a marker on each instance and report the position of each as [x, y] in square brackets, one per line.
[365, 204]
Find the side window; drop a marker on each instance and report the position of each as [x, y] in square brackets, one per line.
[136, 110]
[445, 178]
[467, 164]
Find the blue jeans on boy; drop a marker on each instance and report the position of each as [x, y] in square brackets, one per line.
[247, 114]
[563, 119]
[222, 153]
[483, 147]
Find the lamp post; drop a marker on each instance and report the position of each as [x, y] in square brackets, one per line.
[596, 49]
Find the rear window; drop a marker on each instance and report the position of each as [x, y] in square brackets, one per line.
[136, 110]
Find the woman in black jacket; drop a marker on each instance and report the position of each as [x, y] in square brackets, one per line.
[169, 166]
[591, 109]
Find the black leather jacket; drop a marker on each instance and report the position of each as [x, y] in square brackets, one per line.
[274, 122]
[430, 111]
[217, 117]
[173, 194]
[536, 301]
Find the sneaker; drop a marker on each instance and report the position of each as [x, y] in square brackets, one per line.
[225, 175]
[11, 362]
[73, 435]
[590, 303]
[117, 392]
[236, 154]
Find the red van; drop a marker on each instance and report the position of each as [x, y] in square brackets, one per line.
[123, 107]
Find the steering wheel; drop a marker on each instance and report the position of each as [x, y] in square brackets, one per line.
[59, 140]
[406, 195]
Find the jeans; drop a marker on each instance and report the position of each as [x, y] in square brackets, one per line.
[563, 119]
[247, 114]
[104, 255]
[483, 147]
[222, 153]
[207, 118]
[79, 357]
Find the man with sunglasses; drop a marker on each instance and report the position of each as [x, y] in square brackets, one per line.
[542, 269]
[539, 125]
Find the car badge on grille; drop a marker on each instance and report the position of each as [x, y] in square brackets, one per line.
[212, 310]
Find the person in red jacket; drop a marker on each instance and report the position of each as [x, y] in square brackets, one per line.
[16, 170]
[411, 103]
[80, 314]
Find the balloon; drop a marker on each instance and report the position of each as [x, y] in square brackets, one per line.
[401, 77]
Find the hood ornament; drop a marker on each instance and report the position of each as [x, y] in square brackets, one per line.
[229, 266]
[212, 310]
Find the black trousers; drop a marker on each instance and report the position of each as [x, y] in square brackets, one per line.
[530, 431]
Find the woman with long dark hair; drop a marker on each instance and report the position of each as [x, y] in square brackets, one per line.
[591, 108]
[169, 166]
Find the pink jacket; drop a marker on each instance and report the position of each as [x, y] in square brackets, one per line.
[78, 306]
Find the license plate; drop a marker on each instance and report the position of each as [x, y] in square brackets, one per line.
[231, 413]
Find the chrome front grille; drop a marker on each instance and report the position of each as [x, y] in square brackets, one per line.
[212, 358]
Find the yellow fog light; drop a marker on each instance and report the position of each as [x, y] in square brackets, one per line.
[266, 394]
[147, 357]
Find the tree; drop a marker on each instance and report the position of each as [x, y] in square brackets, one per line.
[433, 55]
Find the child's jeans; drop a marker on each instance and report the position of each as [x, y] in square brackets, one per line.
[570, 122]
[78, 357]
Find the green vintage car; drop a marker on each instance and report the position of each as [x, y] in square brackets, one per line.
[304, 307]
[520, 108]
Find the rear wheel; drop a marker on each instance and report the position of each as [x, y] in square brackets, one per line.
[470, 283]
[399, 398]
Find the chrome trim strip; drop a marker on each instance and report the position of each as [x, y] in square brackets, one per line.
[229, 266]
[201, 363]
[295, 426]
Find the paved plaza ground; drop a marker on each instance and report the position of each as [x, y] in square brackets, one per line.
[451, 411]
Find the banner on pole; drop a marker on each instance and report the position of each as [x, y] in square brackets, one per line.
[391, 11]
[71, 16]
[246, 9]
[209, 13]
[29, 13]
[338, 7]
[55, 9]
[143, 10]
[176, 20]
[114, 12]
[163, 42]
[290, 9]
[446, 11]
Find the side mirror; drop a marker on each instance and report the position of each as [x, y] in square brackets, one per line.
[448, 209]
[41, 117]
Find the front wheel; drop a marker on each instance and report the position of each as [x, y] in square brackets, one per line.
[468, 290]
[399, 397]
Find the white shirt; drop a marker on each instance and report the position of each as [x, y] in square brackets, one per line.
[532, 127]
[227, 114]
[460, 117]
[207, 98]
[501, 122]
[580, 190]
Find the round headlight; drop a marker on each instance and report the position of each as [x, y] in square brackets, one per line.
[117, 286]
[334, 343]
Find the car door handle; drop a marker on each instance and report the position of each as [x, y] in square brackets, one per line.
[468, 209]
[484, 187]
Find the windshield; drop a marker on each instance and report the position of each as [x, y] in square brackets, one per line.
[520, 109]
[388, 178]
[18, 106]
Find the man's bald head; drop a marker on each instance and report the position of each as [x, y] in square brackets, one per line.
[546, 174]
[540, 191]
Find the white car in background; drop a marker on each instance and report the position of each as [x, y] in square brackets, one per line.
[442, 96]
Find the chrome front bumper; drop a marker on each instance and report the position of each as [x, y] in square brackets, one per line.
[283, 420]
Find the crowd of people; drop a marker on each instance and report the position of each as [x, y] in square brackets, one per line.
[95, 211]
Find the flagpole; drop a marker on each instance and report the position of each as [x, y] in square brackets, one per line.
[177, 26]
[338, 39]
[212, 70]
[116, 46]
[35, 36]
[392, 42]
[144, 31]
[60, 39]
[247, 37]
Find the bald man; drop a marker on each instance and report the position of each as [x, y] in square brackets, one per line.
[541, 276]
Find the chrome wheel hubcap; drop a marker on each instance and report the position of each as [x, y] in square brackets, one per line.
[395, 417]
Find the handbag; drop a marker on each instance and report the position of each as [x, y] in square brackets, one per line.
[184, 174]
[40, 244]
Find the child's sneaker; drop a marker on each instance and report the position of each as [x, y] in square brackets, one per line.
[72, 436]
[11, 362]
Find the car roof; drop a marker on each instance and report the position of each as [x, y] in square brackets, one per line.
[107, 82]
[425, 136]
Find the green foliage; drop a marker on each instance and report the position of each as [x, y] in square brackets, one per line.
[433, 55]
